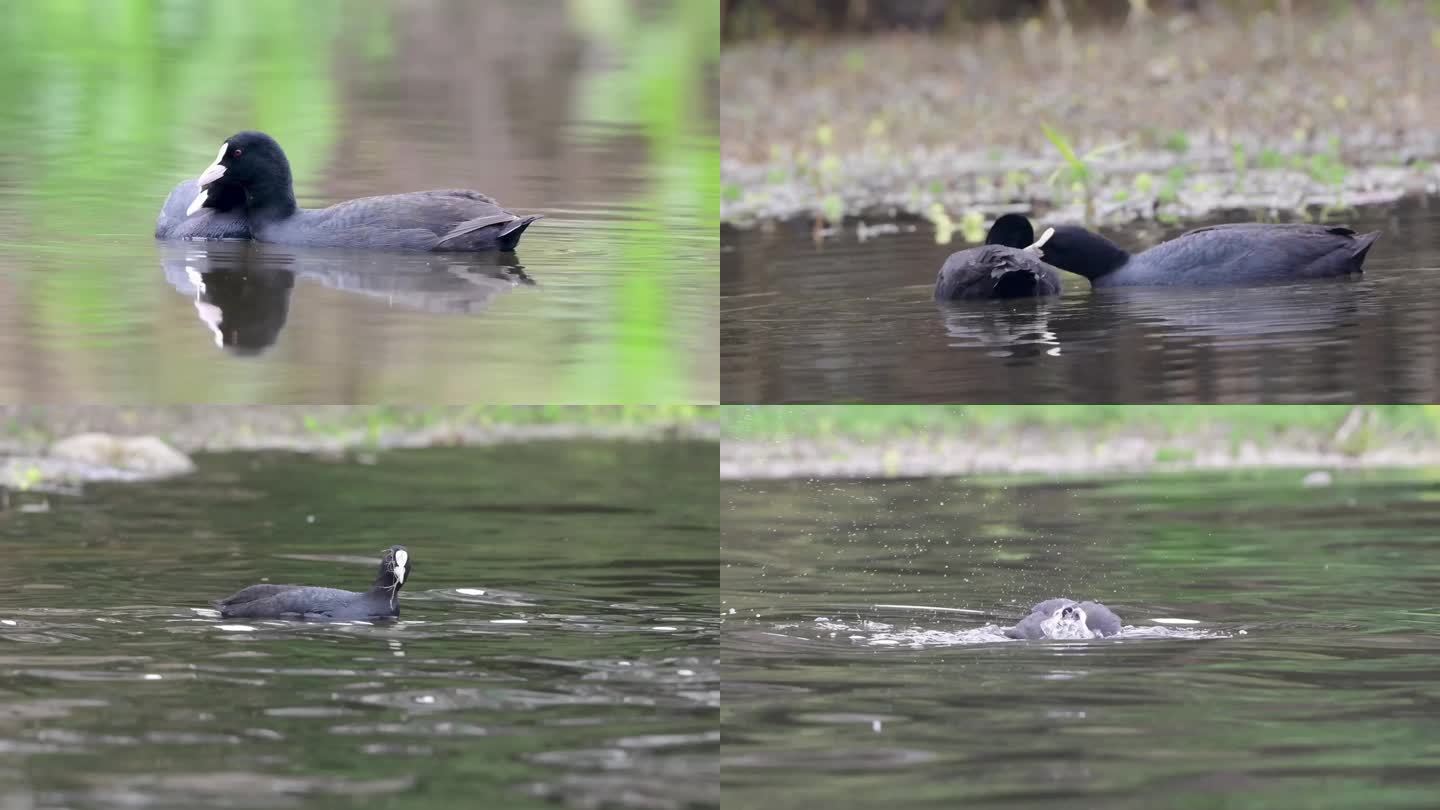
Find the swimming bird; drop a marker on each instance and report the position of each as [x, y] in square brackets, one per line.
[1066, 619]
[1008, 265]
[1216, 255]
[451, 219]
[382, 601]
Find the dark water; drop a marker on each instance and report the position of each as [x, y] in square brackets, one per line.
[600, 116]
[557, 648]
[853, 321]
[1307, 678]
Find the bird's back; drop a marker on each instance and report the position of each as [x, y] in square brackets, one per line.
[1247, 253]
[262, 601]
[419, 220]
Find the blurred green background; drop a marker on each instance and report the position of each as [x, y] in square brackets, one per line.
[599, 114]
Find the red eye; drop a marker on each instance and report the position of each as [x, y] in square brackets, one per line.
[235, 153]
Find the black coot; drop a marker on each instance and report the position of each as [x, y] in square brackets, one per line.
[1066, 618]
[382, 601]
[1008, 265]
[223, 218]
[455, 219]
[1217, 255]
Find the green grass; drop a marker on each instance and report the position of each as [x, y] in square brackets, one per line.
[1174, 455]
[1237, 421]
[1270, 159]
[379, 417]
[31, 426]
[378, 422]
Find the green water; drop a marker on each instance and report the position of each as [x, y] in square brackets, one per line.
[558, 641]
[1307, 678]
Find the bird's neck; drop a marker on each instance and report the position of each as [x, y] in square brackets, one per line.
[381, 593]
[1087, 253]
[272, 200]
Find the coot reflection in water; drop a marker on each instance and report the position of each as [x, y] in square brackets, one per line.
[1276, 343]
[1252, 314]
[242, 289]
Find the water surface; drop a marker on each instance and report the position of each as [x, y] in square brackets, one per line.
[557, 643]
[856, 672]
[852, 321]
[599, 116]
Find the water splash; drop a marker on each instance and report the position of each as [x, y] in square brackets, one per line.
[879, 634]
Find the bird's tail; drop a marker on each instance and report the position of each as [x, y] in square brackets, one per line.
[1362, 245]
[510, 237]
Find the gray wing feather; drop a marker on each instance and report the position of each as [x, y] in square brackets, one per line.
[255, 592]
[1049, 606]
[1028, 628]
[477, 223]
[1101, 619]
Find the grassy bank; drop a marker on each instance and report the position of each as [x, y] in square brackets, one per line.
[196, 428]
[850, 441]
[1247, 422]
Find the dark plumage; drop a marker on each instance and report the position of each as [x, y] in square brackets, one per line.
[224, 218]
[448, 220]
[1008, 265]
[1099, 619]
[1234, 254]
[382, 601]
